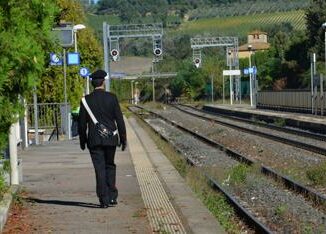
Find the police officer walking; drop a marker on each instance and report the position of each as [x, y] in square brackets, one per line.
[102, 128]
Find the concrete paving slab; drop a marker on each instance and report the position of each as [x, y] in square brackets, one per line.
[60, 181]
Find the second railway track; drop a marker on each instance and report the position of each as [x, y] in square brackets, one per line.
[285, 140]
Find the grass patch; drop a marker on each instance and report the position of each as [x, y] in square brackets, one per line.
[238, 174]
[3, 185]
[281, 210]
[124, 108]
[155, 105]
[213, 200]
[279, 122]
[317, 174]
[6, 166]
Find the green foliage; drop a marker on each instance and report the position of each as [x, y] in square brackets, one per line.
[245, 8]
[241, 25]
[6, 166]
[52, 85]
[281, 210]
[24, 33]
[3, 185]
[171, 12]
[238, 174]
[317, 174]
[189, 81]
[316, 16]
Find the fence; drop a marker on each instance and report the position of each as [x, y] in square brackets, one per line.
[291, 100]
[50, 119]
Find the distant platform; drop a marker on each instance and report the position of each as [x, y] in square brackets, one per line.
[305, 121]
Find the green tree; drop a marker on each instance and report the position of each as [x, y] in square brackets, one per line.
[24, 33]
[51, 88]
[316, 16]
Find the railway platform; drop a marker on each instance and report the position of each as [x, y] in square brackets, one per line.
[59, 181]
[304, 121]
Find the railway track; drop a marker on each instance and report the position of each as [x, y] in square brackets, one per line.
[293, 131]
[299, 144]
[259, 227]
[250, 220]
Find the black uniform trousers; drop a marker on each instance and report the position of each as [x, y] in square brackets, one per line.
[105, 171]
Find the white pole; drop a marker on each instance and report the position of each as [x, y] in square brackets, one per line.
[36, 133]
[75, 34]
[312, 84]
[223, 90]
[212, 88]
[153, 81]
[132, 92]
[87, 85]
[26, 143]
[69, 126]
[231, 87]
[65, 94]
[231, 91]
[250, 78]
[13, 155]
[106, 55]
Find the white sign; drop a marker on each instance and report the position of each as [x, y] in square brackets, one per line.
[55, 60]
[231, 72]
[83, 71]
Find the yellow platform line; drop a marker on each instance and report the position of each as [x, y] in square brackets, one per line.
[160, 211]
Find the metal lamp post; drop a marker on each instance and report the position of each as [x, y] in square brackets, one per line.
[250, 76]
[66, 40]
[76, 28]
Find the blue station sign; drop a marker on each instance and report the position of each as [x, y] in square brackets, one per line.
[84, 72]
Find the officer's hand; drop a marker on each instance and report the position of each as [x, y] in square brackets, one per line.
[82, 146]
[123, 146]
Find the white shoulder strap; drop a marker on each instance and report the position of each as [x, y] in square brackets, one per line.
[89, 111]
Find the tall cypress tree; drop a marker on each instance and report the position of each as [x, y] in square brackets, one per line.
[316, 16]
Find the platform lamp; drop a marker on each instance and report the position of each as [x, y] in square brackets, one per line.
[76, 28]
[64, 34]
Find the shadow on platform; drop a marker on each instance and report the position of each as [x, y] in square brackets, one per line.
[63, 203]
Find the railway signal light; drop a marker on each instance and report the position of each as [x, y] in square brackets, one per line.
[197, 62]
[115, 54]
[157, 52]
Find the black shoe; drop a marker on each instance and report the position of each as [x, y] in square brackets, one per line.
[113, 202]
[104, 205]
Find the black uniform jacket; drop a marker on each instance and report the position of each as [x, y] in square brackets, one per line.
[106, 109]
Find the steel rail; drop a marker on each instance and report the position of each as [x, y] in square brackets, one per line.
[274, 127]
[298, 144]
[308, 193]
[252, 222]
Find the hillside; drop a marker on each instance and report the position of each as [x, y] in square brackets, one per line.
[241, 25]
[132, 65]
